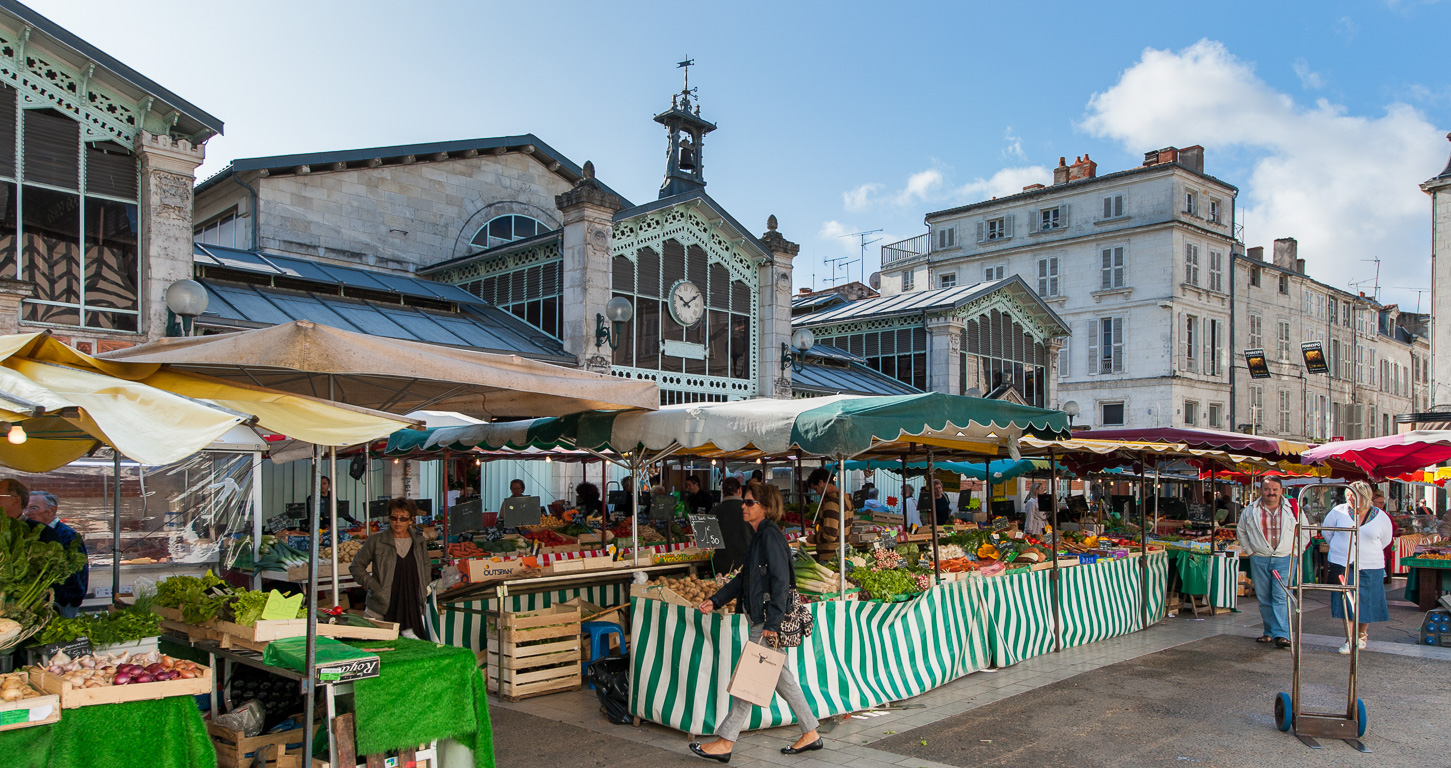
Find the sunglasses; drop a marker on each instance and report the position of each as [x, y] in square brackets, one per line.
[398, 519]
[749, 502]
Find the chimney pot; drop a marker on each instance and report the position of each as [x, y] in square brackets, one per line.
[1257, 253]
[1287, 253]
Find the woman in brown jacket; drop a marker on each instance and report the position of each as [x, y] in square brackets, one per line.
[399, 580]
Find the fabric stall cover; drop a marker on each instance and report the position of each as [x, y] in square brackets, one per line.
[393, 375]
[1380, 458]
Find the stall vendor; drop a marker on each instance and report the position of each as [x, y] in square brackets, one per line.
[324, 514]
[697, 500]
[44, 508]
[516, 491]
[400, 570]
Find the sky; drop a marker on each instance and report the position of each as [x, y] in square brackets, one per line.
[846, 117]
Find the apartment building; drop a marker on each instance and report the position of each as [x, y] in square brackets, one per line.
[1137, 264]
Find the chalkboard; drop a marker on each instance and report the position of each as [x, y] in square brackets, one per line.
[466, 516]
[1200, 513]
[523, 510]
[662, 507]
[707, 532]
[75, 649]
[277, 523]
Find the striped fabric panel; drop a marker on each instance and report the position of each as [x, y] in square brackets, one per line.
[1100, 600]
[1158, 585]
[1018, 615]
[1224, 581]
[460, 626]
[861, 654]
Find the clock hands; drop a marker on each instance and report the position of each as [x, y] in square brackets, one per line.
[687, 302]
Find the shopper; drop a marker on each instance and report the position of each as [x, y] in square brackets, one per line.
[1379, 502]
[761, 586]
[1036, 519]
[697, 500]
[1268, 532]
[44, 508]
[941, 507]
[729, 514]
[829, 513]
[399, 580]
[587, 500]
[1359, 511]
[909, 507]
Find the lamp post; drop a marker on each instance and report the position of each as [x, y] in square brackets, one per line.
[1071, 408]
[802, 340]
[186, 299]
[617, 312]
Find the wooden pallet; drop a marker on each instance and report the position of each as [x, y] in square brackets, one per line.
[533, 653]
[236, 750]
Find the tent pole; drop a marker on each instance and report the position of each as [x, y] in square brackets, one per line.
[903, 506]
[332, 499]
[368, 491]
[115, 526]
[635, 509]
[796, 491]
[1053, 552]
[1143, 549]
[1158, 482]
[445, 502]
[842, 530]
[256, 517]
[310, 673]
[931, 496]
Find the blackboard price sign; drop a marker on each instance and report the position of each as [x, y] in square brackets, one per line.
[662, 508]
[707, 532]
[75, 649]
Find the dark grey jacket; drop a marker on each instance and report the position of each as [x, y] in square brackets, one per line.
[379, 551]
[764, 579]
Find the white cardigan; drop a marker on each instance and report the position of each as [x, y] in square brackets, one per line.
[1375, 536]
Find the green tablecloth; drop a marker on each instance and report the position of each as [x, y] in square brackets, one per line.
[1413, 582]
[423, 692]
[1193, 569]
[165, 733]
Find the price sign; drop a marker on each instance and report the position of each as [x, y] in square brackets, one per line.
[662, 507]
[277, 523]
[707, 532]
[75, 649]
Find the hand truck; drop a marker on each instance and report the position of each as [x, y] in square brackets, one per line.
[1350, 724]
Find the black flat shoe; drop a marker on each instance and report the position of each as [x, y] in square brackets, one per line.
[1282, 642]
[726, 758]
[812, 747]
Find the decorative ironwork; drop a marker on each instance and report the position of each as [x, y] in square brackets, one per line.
[43, 81]
[486, 266]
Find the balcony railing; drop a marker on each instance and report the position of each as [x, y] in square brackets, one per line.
[906, 249]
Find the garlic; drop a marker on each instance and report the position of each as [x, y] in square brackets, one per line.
[60, 658]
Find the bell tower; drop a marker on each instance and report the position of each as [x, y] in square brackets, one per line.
[684, 170]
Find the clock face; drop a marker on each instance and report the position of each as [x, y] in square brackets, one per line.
[687, 305]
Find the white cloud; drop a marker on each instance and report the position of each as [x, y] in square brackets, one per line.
[1008, 181]
[861, 198]
[1344, 185]
[1310, 80]
[927, 190]
[1015, 145]
[921, 187]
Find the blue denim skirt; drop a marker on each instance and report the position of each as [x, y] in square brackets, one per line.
[1373, 606]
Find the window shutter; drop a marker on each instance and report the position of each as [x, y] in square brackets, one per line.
[1093, 338]
[1008, 225]
[1118, 205]
[1209, 332]
[1108, 207]
[1033, 219]
[1106, 269]
[979, 231]
[1065, 360]
[1118, 344]
[1063, 216]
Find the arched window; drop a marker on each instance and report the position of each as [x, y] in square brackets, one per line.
[506, 229]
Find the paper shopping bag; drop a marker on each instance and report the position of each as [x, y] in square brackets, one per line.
[756, 674]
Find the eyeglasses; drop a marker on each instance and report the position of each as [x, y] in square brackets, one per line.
[749, 502]
[397, 519]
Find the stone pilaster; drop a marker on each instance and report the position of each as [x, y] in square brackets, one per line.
[587, 211]
[1050, 392]
[168, 171]
[944, 355]
[774, 283]
[12, 292]
[1439, 189]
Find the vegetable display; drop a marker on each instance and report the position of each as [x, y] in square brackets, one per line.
[814, 577]
[202, 599]
[103, 629]
[346, 551]
[99, 670]
[28, 570]
[15, 686]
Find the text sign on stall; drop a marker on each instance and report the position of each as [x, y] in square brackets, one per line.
[345, 671]
[707, 532]
[662, 507]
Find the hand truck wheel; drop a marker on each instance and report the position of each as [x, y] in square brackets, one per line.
[1361, 723]
[1284, 712]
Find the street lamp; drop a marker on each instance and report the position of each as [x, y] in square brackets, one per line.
[617, 312]
[186, 299]
[802, 340]
[1071, 408]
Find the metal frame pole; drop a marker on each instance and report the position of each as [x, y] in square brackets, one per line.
[932, 497]
[309, 687]
[256, 517]
[1143, 550]
[634, 509]
[841, 532]
[1053, 553]
[332, 503]
[115, 526]
[800, 495]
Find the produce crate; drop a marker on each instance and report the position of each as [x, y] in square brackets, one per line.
[533, 653]
[386, 630]
[887, 518]
[659, 592]
[72, 698]
[37, 710]
[237, 750]
[324, 571]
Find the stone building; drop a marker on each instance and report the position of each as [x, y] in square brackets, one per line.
[1135, 262]
[95, 188]
[1439, 188]
[1378, 356]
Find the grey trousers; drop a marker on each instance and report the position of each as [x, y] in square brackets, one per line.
[786, 686]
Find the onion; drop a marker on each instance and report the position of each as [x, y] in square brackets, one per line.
[142, 679]
[121, 680]
[153, 669]
[187, 674]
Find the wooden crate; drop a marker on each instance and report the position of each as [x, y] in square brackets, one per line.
[386, 630]
[37, 710]
[533, 653]
[72, 698]
[235, 750]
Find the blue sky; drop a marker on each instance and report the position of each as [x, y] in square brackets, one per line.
[849, 116]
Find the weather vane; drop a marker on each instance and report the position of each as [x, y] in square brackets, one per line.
[686, 65]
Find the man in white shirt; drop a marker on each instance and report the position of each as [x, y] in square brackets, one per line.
[1036, 519]
[1269, 531]
[909, 506]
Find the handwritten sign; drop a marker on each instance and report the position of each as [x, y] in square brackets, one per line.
[707, 532]
[280, 607]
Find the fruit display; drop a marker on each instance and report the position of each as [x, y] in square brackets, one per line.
[548, 538]
[648, 534]
[102, 669]
[547, 523]
[15, 686]
[478, 548]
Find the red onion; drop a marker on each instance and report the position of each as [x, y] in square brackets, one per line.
[142, 679]
[154, 669]
[121, 679]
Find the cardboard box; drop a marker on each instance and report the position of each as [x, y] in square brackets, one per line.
[485, 569]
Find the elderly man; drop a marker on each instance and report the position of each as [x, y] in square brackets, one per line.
[43, 509]
[1269, 531]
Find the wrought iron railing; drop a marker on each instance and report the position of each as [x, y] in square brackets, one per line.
[906, 249]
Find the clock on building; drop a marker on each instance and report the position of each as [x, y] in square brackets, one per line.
[687, 305]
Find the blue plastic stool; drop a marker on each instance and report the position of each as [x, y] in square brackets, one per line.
[599, 641]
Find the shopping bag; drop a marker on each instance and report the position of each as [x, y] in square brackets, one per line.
[756, 674]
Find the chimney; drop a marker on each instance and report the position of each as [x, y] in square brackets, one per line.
[1257, 253]
[1160, 156]
[1060, 174]
[1034, 187]
[1286, 253]
[1300, 266]
[1082, 168]
[1192, 158]
[805, 291]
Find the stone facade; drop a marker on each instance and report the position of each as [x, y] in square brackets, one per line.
[775, 312]
[397, 216]
[1149, 220]
[1439, 189]
[168, 170]
[588, 210]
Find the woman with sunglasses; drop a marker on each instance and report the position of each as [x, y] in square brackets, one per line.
[761, 585]
[399, 579]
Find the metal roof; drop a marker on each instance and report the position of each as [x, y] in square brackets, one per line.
[828, 352]
[938, 300]
[716, 208]
[852, 379]
[1075, 186]
[803, 301]
[330, 274]
[421, 152]
[91, 53]
[475, 325]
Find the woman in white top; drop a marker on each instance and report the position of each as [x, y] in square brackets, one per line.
[1375, 535]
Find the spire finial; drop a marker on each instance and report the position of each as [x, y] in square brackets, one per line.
[771, 222]
[589, 169]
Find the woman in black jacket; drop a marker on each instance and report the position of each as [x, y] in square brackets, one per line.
[761, 586]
